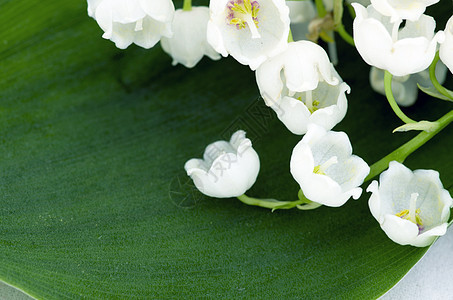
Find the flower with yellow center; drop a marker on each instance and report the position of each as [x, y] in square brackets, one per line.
[325, 168]
[412, 208]
[249, 30]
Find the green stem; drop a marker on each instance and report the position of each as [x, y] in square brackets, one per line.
[388, 92]
[320, 8]
[270, 203]
[187, 6]
[345, 35]
[408, 148]
[432, 76]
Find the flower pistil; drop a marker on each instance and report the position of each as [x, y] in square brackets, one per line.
[321, 169]
[413, 213]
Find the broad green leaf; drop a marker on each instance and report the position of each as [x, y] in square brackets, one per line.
[95, 201]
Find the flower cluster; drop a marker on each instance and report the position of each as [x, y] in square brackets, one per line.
[298, 81]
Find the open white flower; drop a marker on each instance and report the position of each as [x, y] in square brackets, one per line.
[405, 89]
[133, 21]
[189, 42]
[407, 51]
[402, 9]
[323, 165]
[446, 48]
[249, 30]
[228, 169]
[302, 86]
[412, 208]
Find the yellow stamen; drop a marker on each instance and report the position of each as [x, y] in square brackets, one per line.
[412, 214]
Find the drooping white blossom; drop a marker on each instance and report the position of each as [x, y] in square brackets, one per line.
[401, 52]
[323, 165]
[302, 86]
[189, 43]
[251, 31]
[412, 208]
[405, 89]
[446, 48]
[228, 169]
[402, 9]
[133, 21]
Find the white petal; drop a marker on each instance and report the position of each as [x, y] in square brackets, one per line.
[393, 183]
[159, 10]
[397, 10]
[400, 231]
[189, 43]
[273, 29]
[412, 53]
[319, 148]
[428, 237]
[227, 170]
[375, 201]
[92, 5]
[126, 22]
[302, 163]
[294, 114]
[304, 65]
[446, 48]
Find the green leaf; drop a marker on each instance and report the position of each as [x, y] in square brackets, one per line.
[95, 201]
[433, 92]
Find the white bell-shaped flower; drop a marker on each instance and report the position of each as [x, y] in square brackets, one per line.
[228, 169]
[133, 21]
[412, 208]
[323, 165]
[401, 52]
[189, 43]
[402, 9]
[249, 30]
[302, 86]
[446, 48]
[404, 88]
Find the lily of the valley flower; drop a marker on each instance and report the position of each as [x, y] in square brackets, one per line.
[412, 208]
[302, 86]
[402, 9]
[228, 169]
[446, 48]
[323, 165]
[249, 30]
[405, 89]
[133, 21]
[401, 52]
[189, 43]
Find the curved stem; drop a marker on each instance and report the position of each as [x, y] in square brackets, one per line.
[270, 203]
[408, 148]
[187, 6]
[320, 8]
[345, 35]
[388, 92]
[432, 76]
